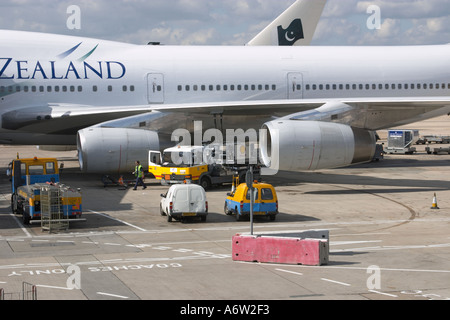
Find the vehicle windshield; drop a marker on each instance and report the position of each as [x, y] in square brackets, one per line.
[182, 159]
[179, 159]
[35, 170]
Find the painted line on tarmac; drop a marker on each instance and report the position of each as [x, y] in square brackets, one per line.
[386, 248]
[296, 273]
[21, 226]
[118, 220]
[362, 234]
[384, 293]
[337, 282]
[53, 287]
[362, 268]
[112, 295]
[341, 243]
[292, 226]
[201, 255]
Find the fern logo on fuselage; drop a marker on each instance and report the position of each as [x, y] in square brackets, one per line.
[61, 68]
[293, 33]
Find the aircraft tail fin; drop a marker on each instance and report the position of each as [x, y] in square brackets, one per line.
[295, 26]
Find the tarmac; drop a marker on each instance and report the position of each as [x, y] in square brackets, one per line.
[386, 243]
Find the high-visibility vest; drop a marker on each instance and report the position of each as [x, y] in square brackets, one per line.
[139, 172]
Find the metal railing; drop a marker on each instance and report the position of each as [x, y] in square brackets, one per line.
[29, 292]
[52, 215]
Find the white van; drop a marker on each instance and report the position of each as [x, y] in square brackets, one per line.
[184, 200]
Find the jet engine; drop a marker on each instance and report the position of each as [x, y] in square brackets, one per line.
[294, 145]
[109, 150]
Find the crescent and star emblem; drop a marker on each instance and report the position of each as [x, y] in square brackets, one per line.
[290, 35]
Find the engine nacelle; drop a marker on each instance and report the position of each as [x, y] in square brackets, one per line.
[293, 145]
[110, 150]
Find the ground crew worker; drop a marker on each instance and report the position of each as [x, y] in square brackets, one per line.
[139, 174]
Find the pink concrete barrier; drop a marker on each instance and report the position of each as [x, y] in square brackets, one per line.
[312, 252]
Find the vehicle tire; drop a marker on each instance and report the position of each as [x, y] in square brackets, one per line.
[203, 218]
[26, 218]
[205, 182]
[272, 217]
[238, 216]
[226, 211]
[161, 211]
[169, 218]
[14, 211]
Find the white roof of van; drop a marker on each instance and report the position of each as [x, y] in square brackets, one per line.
[183, 148]
[185, 185]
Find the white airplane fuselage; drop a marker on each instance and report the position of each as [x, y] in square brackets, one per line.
[38, 71]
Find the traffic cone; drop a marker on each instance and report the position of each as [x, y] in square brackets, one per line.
[122, 183]
[434, 205]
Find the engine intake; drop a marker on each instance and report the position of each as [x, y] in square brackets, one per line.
[293, 145]
[108, 150]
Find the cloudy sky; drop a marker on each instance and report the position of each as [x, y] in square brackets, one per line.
[229, 22]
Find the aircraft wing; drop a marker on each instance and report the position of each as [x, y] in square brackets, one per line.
[65, 118]
[370, 113]
[366, 113]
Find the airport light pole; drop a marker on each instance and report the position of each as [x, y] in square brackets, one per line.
[249, 182]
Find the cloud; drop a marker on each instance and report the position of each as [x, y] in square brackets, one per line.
[340, 9]
[407, 9]
[439, 24]
[231, 22]
[403, 22]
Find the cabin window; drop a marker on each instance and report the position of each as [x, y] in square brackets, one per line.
[255, 194]
[266, 194]
[36, 170]
[50, 167]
